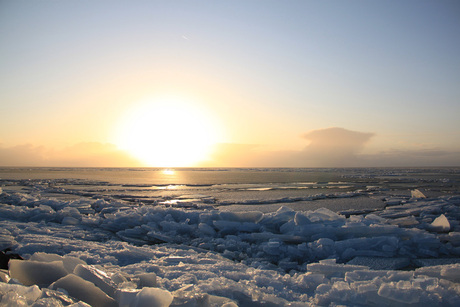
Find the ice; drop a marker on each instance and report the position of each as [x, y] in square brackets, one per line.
[400, 292]
[152, 297]
[125, 297]
[130, 253]
[229, 227]
[417, 194]
[395, 201]
[69, 262]
[249, 216]
[330, 268]
[425, 262]
[147, 280]
[405, 221]
[17, 295]
[4, 277]
[68, 220]
[440, 224]
[451, 273]
[206, 230]
[380, 263]
[97, 277]
[36, 272]
[6, 239]
[83, 290]
[324, 214]
[56, 296]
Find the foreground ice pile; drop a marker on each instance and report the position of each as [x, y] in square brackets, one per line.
[113, 253]
[51, 281]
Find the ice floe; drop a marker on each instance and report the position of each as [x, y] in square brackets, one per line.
[107, 252]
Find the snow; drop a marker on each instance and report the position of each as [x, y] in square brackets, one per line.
[110, 252]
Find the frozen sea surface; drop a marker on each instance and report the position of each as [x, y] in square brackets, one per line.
[233, 237]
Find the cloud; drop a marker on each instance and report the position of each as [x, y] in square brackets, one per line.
[88, 154]
[340, 147]
[327, 148]
[333, 147]
[22, 155]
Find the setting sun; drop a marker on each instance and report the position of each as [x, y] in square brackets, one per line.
[167, 132]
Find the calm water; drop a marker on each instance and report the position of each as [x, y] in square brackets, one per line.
[236, 189]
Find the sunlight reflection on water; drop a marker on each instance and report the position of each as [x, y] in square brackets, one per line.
[168, 172]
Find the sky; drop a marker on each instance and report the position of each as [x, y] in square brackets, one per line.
[229, 83]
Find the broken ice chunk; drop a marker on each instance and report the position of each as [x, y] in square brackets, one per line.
[249, 216]
[147, 280]
[232, 227]
[18, 295]
[206, 229]
[329, 268]
[68, 220]
[118, 278]
[125, 297]
[399, 292]
[440, 224]
[324, 214]
[380, 263]
[417, 194]
[97, 277]
[69, 262]
[394, 201]
[6, 240]
[36, 273]
[149, 297]
[84, 290]
[301, 219]
[451, 273]
[404, 221]
[4, 277]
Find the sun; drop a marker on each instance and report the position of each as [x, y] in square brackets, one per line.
[167, 132]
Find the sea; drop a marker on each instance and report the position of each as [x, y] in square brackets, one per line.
[240, 189]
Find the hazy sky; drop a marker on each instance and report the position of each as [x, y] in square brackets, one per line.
[229, 83]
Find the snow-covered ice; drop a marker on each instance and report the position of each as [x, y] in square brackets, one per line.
[105, 251]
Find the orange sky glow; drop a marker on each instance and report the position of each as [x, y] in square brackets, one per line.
[229, 84]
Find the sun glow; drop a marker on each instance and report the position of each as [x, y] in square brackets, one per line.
[168, 132]
[168, 172]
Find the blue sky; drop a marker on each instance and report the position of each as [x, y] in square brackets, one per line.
[267, 72]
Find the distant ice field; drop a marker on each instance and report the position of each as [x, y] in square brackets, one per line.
[239, 189]
[230, 237]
